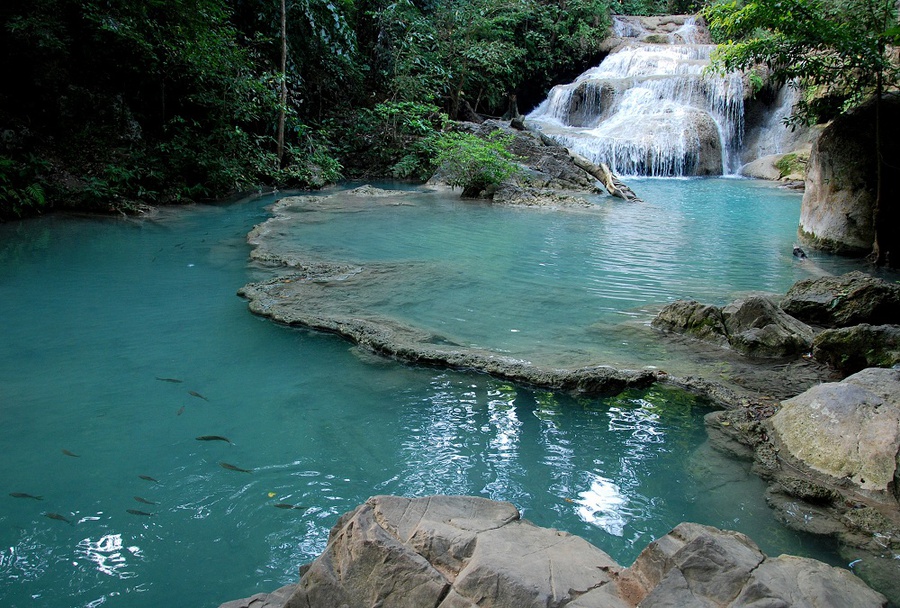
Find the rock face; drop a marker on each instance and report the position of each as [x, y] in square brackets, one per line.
[851, 349]
[849, 431]
[753, 326]
[758, 328]
[844, 300]
[837, 208]
[468, 552]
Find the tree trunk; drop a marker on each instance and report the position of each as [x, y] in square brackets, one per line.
[282, 103]
[878, 255]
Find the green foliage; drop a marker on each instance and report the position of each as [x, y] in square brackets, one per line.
[20, 188]
[756, 81]
[836, 48]
[395, 138]
[790, 164]
[655, 7]
[475, 164]
[480, 51]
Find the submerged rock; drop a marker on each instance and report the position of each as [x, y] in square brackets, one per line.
[694, 319]
[463, 552]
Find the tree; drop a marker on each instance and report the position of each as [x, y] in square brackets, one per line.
[480, 51]
[840, 48]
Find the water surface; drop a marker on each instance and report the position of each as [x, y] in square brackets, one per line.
[95, 311]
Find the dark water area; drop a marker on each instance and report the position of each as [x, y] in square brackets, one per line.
[123, 341]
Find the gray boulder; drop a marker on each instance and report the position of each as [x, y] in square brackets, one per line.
[697, 565]
[689, 317]
[468, 552]
[452, 552]
[754, 326]
[844, 300]
[851, 349]
[847, 431]
[757, 328]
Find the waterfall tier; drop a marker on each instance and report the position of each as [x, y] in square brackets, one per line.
[649, 108]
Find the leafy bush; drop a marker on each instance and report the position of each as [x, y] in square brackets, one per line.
[393, 138]
[20, 189]
[475, 164]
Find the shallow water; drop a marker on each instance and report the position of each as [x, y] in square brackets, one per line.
[96, 311]
[557, 287]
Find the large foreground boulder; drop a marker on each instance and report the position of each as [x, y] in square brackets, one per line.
[468, 552]
[848, 431]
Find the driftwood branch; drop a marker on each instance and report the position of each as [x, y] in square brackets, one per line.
[600, 172]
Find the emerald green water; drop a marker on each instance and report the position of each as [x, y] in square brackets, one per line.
[94, 311]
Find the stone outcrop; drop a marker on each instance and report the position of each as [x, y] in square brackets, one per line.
[864, 310]
[753, 326]
[838, 203]
[849, 431]
[545, 166]
[463, 552]
[551, 175]
[831, 456]
[844, 300]
[758, 328]
[851, 349]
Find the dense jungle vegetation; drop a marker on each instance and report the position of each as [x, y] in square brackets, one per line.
[108, 105]
[111, 104]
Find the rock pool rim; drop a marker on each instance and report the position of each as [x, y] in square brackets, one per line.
[413, 346]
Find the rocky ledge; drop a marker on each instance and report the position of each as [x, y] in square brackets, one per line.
[849, 321]
[463, 552]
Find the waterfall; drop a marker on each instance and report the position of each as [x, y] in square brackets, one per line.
[648, 108]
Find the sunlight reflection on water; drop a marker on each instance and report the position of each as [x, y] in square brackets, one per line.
[321, 424]
[602, 505]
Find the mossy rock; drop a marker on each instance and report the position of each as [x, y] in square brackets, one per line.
[793, 165]
[851, 349]
[808, 491]
[656, 39]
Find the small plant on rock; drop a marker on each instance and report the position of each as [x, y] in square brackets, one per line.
[475, 164]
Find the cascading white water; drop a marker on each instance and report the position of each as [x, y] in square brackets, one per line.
[649, 108]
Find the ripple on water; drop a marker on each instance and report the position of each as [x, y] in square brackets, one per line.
[86, 335]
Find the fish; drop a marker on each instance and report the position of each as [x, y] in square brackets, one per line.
[180, 411]
[24, 495]
[72, 454]
[136, 512]
[148, 478]
[213, 438]
[284, 505]
[59, 517]
[231, 467]
[197, 395]
[172, 380]
[144, 500]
